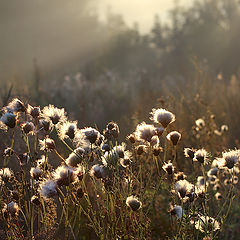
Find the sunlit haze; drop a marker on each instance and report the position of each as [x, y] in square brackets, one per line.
[141, 11]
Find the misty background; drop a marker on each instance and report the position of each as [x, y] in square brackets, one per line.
[115, 60]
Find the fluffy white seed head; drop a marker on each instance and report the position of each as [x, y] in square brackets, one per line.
[162, 116]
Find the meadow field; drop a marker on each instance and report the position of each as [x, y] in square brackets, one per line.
[133, 136]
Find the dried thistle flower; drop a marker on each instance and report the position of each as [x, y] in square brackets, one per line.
[168, 168]
[206, 224]
[28, 127]
[48, 188]
[159, 131]
[141, 149]
[133, 203]
[224, 128]
[176, 211]
[67, 129]
[162, 116]
[97, 171]
[33, 111]
[157, 150]
[79, 172]
[64, 175]
[183, 187]
[155, 141]
[91, 134]
[179, 176]
[11, 209]
[144, 132]
[189, 152]
[174, 137]
[45, 124]
[23, 158]
[36, 173]
[213, 171]
[35, 200]
[54, 114]
[200, 123]
[131, 138]
[8, 152]
[75, 157]
[201, 156]
[218, 196]
[15, 106]
[47, 144]
[112, 130]
[229, 159]
[6, 174]
[8, 120]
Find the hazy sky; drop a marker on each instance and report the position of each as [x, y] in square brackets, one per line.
[142, 11]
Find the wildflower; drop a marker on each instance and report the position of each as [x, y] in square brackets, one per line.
[159, 131]
[131, 138]
[79, 171]
[35, 200]
[179, 176]
[201, 156]
[201, 181]
[213, 171]
[47, 144]
[8, 120]
[15, 195]
[91, 134]
[168, 168]
[157, 150]
[112, 130]
[224, 128]
[133, 203]
[227, 181]
[206, 224]
[106, 147]
[8, 152]
[174, 137]
[97, 171]
[67, 129]
[42, 162]
[75, 157]
[64, 175]
[189, 152]
[183, 187]
[176, 211]
[162, 116]
[48, 188]
[216, 187]
[11, 209]
[33, 111]
[45, 124]
[213, 179]
[217, 132]
[200, 123]
[154, 141]
[218, 196]
[126, 161]
[229, 159]
[6, 174]
[56, 115]
[15, 106]
[144, 132]
[235, 179]
[141, 149]
[28, 127]
[23, 158]
[36, 173]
